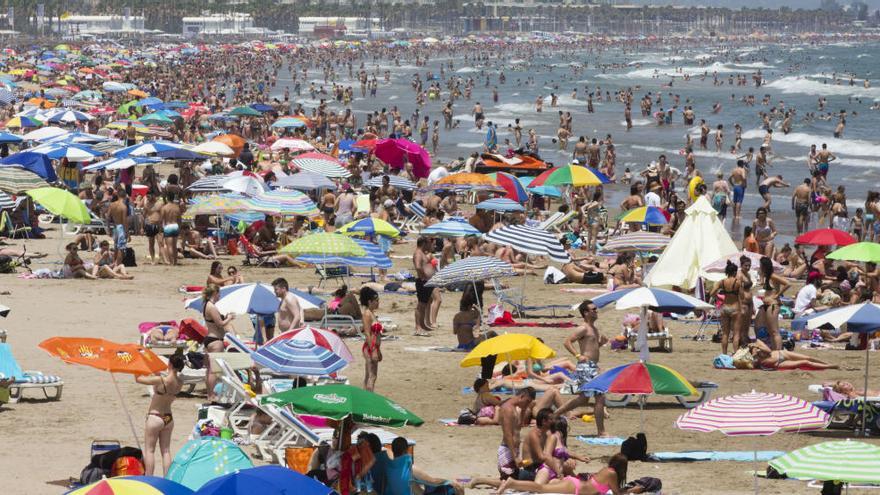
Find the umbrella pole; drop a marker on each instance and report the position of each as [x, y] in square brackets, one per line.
[641, 414]
[137, 439]
[755, 473]
[642, 339]
[865, 399]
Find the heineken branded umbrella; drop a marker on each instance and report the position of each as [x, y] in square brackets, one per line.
[339, 401]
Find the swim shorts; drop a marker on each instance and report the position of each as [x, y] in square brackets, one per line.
[801, 209]
[171, 230]
[119, 237]
[739, 193]
[423, 293]
[506, 462]
[762, 189]
[823, 168]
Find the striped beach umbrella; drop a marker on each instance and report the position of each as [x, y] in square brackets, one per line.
[6, 201]
[209, 184]
[15, 180]
[637, 241]
[163, 149]
[304, 181]
[754, 413]
[287, 203]
[121, 163]
[245, 112]
[320, 163]
[132, 485]
[500, 204]
[651, 298]
[253, 298]
[396, 181]
[450, 228]
[844, 461]
[69, 117]
[318, 336]
[325, 244]
[370, 226]
[471, 269]
[292, 145]
[570, 175]
[298, 357]
[73, 152]
[215, 204]
[530, 240]
[650, 215]
[44, 134]
[512, 186]
[8, 138]
[374, 257]
[6, 97]
[288, 123]
[22, 122]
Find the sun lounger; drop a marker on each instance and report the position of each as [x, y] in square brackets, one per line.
[663, 337]
[516, 299]
[336, 273]
[705, 389]
[412, 214]
[845, 412]
[27, 379]
[557, 222]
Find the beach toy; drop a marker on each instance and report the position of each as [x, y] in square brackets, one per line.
[588, 418]
[226, 433]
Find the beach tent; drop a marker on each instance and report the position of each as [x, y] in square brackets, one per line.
[203, 459]
[700, 240]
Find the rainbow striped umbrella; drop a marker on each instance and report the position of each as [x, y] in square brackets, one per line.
[370, 226]
[650, 215]
[514, 188]
[132, 485]
[22, 122]
[570, 175]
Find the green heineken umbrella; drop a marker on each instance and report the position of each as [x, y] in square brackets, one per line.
[324, 243]
[245, 112]
[860, 251]
[341, 401]
[843, 461]
[61, 203]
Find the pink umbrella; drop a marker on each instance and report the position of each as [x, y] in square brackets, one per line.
[396, 152]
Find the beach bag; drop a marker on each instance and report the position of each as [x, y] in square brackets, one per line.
[6, 265]
[467, 417]
[743, 359]
[128, 257]
[553, 275]
[635, 448]
[831, 488]
[91, 474]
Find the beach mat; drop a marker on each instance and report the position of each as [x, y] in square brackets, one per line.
[584, 290]
[610, 441]
[709, 455]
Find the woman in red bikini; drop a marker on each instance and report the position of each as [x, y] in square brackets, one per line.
[372, 337]
[612, 478]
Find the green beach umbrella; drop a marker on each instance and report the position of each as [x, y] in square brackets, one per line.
[860, 251]
[125, 108]
[14, 180]
[324, 243]
[156, 119]
[843, 461]
[245, 112]
[61, 203]
[340, 401]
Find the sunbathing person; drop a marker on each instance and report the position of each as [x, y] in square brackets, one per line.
[195, 246]
[610, 478]
[518, 261]
[581, 270]
[216, 276]
[105, 265]
[163, 333]
[273, 258]
[74, 266]
[847, 389]
[785, 360]
[22, 253]
[624, 273]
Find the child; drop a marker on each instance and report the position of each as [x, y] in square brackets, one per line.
[857, 224]
[627, 176]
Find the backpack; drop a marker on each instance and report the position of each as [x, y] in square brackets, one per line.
[6, 265]
[128, 257]
[91, 474]
[635, 448]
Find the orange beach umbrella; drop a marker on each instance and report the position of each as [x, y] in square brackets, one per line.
[105, 355]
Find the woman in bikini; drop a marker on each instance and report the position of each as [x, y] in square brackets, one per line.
[769, 359]
[372, 337]
[160, 422]
[765, 231]
[773, 286]
[556, 448]
[731, 308]
[610, 478]
[217, 325]
[216, 276]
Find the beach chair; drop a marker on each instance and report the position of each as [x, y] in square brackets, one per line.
[253, 256]
[517, 300]
[844, 412]
[238, 416]
[337, 273]
[413, 215]
[12, 230]
[27, 379]
[663, 337]
[556, 223]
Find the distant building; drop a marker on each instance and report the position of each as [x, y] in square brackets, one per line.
[235, 23]
[99, 24]
[329, 27]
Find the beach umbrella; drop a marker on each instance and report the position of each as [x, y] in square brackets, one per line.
[375, 257]
[318, 336]
[15, 180]
[137, 92]
[858, 318]
[325, 244]
[322, 164]
[570, 175]
[284, 203]
[121, 163]
[529, 240]
[262, 107]
[719, 265]
[73, 152]
[253, 298]
[22, 122]
[214, 148]
[646, 298]
[6, 97]
[291, 145]
[550, 191]
[69, 117]
[304, 181]
[209, 184]
[106, 356]
[515, 190]
[640, 379]
[369, 226]
[471, 269]
[162, 149]
[754, 414]
[76, 137]
[88, 94]
[37, 163]
[205, 458]
[245, 112]
[8, 138]
[500, 204]
[156, 118]
[826, 237]
[234, 141]
[465, 181]
[116, 87]
[132, 485]
[395, 181]
[44, 134]
[843, 461]
[288, 123]
[650, 215]
[339, 401]
[217, 205]
[246, 183]
[298, 357]
[868, 252]
[265, 480]
[450, 228]
[6, 202]
[637, 241]
[62, 203]
[397, 152]
[514, 346]
[149, 101]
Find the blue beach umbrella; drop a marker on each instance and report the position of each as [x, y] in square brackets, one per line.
[265, 480]
[450, 228]
[298, 357]
[500, 204]
[37, 163]
[253, 298]
[204, 459]
[121, 163]
[262, 107]
[374, 257]
[8, 138]
[69, 117]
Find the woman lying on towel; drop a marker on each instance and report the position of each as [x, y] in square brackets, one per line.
[785, 360]
[847, 389]
[610, 478]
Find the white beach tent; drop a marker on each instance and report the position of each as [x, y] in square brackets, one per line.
[700, 240]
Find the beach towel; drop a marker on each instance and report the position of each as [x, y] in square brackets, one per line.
[608, 441]
[584, 290]
[709, 455]
[723, 362]
[535, 324]
[433, 348]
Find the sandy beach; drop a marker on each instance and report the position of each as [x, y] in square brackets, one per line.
[45, 442]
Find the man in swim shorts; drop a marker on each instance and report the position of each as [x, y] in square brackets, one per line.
[424, 271]
[171, 215]
[738, 179]
[823, 159]
[800, 203]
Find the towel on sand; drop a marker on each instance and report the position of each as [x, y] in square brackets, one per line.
[600, 440]
[708, 455]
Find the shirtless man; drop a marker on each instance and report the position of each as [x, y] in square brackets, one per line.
[290, 314]
[117, 215]
[477, 112]
[170, 214]
[766, 184]
[800, 203]
[593, 152]
[153, 226]
[580, 150]
[738, 181]
[328, 203]
[823, 159]
[704, 134]
[510, 416]
[761, 165]
[424, 271]
[588, 340]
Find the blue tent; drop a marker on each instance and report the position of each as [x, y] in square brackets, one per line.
[204, 459]
[37, 163]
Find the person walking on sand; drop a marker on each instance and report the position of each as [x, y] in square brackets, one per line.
[160, 422]
[424, 271]
[170, 214]
[290, 314]
[372, 329]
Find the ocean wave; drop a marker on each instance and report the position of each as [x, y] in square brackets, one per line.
[803, 85]
[664, 72]
[846, 147]
[467, 70]
[638, 122]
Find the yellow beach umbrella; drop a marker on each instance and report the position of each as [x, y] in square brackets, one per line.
[511, 346]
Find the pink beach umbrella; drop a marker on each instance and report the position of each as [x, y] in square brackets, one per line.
[396, 152]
